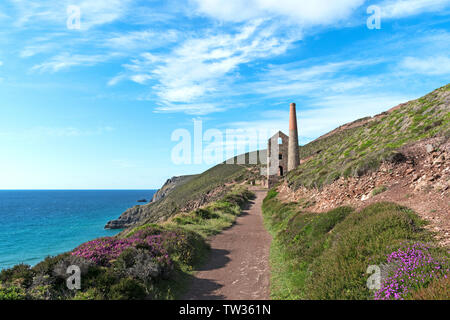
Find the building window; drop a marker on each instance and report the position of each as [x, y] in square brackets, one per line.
[280, 141]
[280, 157]
[281, 171]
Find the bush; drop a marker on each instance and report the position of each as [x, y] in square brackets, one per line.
[21, 274]
[47, 266]
[12, 293]
[45, 292]
[127, 289]
[90, 294]
[437, 290]
[415, 268]
[106, 250]
[139, 264]
[362, 239]
[325, 256]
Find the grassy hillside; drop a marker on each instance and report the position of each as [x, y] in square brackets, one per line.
[197, 190]
[326, 256]
[361, 148]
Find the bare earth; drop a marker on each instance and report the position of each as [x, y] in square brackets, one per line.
[238, 267]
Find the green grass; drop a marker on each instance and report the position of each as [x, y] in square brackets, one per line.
[325, 256]
[215, 217]
[192, 190]
[379, 190]
[361, 149]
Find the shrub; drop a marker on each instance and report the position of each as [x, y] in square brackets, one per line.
[21, 274]
[415, 268]
[60, 268]
[127, 289]
[326, 255]
[90, 294]
[12, 293]
[47, 266]
[139, 264]
[362, 239]
[105, 250]
[45, 292]
[437, 290]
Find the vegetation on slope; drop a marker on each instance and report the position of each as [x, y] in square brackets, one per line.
[153, 261]
[196, 189]
[360, 149]
[326, 256]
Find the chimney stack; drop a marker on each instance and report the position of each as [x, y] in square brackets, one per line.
[293, 151]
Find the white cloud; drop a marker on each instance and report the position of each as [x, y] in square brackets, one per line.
[293, 80]
[438, 65]
[93, 13]
[65, 61]
[142, 39]
[198, 109]
[57, 132]
[324, 114]
[302, 12]
[405, 8]
[200, 70]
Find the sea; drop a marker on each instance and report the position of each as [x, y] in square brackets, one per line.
[35, 224]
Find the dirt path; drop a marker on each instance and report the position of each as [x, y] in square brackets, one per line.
[238, 267]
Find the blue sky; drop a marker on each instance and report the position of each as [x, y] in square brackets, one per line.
[95, 107]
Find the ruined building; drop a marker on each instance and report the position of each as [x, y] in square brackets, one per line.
[283, 151]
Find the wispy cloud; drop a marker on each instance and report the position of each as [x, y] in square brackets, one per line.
[437, 65]
[146, 39]
[327, 114]
[405, 8]
[66, 60]
[40, 132]
[302, 12]
[203, 67]
[54, 12]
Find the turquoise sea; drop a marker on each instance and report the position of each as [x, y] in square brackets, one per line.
[35, 224]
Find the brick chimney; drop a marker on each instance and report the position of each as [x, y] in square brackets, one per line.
[293, 151]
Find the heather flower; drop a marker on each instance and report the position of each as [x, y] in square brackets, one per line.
[105, 250]
[415, 268]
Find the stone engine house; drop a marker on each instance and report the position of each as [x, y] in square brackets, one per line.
[283, 151]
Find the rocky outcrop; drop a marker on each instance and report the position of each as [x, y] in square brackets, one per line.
[127, 219]
[169, 186]
[135, 214]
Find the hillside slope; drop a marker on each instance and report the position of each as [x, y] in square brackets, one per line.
[192, 193]
[374, 192]
[361, 146]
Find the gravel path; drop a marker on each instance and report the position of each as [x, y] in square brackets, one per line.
[238, 267]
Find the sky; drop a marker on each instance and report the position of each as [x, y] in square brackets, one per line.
[97, 94]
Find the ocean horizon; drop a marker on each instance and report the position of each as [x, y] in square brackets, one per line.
[41, 223]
